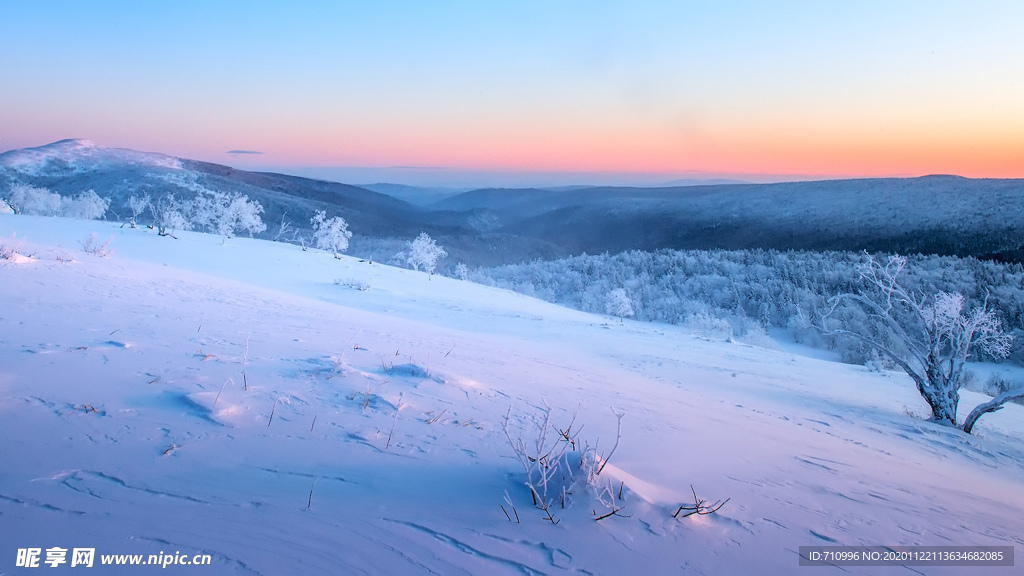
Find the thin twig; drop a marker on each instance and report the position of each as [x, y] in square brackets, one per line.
[272, 412]
[221, 390]
[614, 512]
[618, 436]
[394, 422]
[699, 507]
[310, 502]
[245, 362]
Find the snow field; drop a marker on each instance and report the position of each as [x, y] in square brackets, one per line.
[229, 398]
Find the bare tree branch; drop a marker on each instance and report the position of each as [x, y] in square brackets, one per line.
[992, 405]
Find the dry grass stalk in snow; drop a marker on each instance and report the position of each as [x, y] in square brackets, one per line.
[699, 507]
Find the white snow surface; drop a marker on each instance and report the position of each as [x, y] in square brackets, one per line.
[129, 426]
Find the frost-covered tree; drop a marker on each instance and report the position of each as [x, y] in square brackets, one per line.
[330, 234]
[618, 303]
[169, 215]
[202, 211]
[282, 228]
[462, 271]
[25, 199]
[937, 334]
[424, 252]
[8, 205]
[137, 205]
[239, 213]
[224, 213]
[88, 206]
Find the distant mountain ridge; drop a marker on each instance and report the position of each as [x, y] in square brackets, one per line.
[940, 214]
[71, 166]
[948, 215]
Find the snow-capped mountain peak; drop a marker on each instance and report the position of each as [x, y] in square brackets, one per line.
[78, 155]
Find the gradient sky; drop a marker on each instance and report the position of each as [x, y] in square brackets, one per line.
[592, 90]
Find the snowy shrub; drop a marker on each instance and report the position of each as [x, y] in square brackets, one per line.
[352, 283]
[9, 247]
[330, 234]
[169, 215]
[86, 206]
[461, 272]
[91, 245]
[5, 208]
[558, 465]
[25, 199]
[619, 304]
[424, 252]
[994, 385]
[756, 335]
[706, 325]
[937, 335]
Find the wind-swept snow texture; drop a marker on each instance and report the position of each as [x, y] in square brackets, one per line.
[230, 398]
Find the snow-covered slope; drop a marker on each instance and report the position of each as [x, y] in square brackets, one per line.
[287, 412]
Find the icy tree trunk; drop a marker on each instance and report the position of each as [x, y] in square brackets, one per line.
[943, 400]
[942, 392]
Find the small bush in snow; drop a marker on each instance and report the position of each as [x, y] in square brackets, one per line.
[559, 465]
[352, 283]
[461, 271]
[424, 252]
[91, 245]
[619, 304]
[9, 247]
[995, 385]
[706, 325]
[330, 234]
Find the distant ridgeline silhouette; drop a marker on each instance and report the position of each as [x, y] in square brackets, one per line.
[938, 214]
